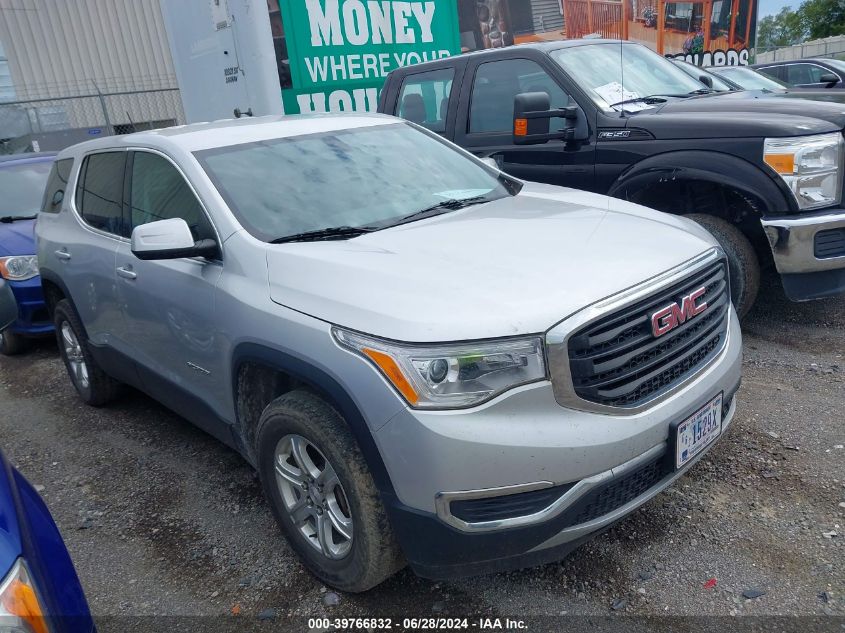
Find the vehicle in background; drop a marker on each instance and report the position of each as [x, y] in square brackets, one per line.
[816, 72]
[23, 178]
[753, 81]
[427, 360]
[707, 78]
[763, 175]
[39, 589]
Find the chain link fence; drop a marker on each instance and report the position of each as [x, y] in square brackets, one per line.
[52, 117]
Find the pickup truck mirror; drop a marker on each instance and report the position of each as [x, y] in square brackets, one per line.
[169, 239]
[531, 120]
[830, 79]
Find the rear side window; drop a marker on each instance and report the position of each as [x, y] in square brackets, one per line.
[56, 184]
[99, 194]
[159, 192]
[495, 86]
[424, 98]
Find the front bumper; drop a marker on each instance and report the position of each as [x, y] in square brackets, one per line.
[525, 439]
[33, 317]
[807, 243]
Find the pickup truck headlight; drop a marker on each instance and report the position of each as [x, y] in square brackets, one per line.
[19, 267]
[20, 609]
[811, 166]
[451, 376]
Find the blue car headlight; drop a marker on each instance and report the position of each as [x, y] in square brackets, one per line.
[19, 267]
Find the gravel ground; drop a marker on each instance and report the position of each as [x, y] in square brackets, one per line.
[162, 520]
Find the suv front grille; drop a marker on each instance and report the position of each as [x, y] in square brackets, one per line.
[617, 361]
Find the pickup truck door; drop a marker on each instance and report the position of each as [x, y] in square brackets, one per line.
[169, 304]
[484, 122]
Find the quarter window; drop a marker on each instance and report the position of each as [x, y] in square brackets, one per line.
[424, 98]
[99, 195]
[159, 192]
[495, 86]
[56, 184]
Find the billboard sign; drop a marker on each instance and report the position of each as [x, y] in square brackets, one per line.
[333, 55]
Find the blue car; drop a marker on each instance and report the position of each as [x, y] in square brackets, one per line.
[23, 178]
[39, 588]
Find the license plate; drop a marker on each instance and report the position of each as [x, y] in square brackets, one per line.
[698, 431]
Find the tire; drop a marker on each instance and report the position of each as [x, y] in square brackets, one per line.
[92, 384]
[742, 260]
[371, 554]
[12, 344]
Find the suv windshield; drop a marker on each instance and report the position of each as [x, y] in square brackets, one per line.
[749, 79]
[366, 177]
[598, 70]
[23, 187]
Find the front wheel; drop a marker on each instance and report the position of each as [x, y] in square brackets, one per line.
[742, 260]
[322, 494]
[12, 344]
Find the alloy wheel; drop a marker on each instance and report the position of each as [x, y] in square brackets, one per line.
[75, 358]
[313, 496]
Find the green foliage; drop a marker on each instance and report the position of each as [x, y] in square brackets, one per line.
[812, 20]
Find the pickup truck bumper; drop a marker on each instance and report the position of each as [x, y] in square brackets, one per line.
[809, 253]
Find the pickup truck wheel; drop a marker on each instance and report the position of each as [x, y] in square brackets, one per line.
[742, 260]
[322, 494]
[92, 384]
[12, 344]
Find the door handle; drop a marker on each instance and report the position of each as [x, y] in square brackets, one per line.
[63, 254]
[127, 273]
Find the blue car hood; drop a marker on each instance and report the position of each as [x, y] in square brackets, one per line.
[10, 535]
[17, 238]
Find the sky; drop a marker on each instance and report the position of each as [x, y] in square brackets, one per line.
[770, 7]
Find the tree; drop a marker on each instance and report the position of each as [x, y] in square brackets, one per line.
[783, 29]
[822, 18]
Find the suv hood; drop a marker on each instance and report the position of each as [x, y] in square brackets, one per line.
[509, 267]
[739, 114]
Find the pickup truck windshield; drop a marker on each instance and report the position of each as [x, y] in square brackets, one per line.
[598, 70]
[23, 187]
[369, 177]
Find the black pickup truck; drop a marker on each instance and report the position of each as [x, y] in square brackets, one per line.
[763, 175]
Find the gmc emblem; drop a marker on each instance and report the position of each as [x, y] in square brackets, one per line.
[667, 319]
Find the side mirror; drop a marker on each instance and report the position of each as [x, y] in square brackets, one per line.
[830, 79]
[169, 239]
[531, 119]
[490, 162]
[707, 81]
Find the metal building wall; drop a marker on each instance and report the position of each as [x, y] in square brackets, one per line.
[58, 48]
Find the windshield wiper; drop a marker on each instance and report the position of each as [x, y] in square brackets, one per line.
[444, 206]
[330, 233]
[8, 219]
[650, 99]
[700, 91]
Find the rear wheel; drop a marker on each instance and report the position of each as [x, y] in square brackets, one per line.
[742, 260]
[322, 494]
[12, 344]
[92, 384]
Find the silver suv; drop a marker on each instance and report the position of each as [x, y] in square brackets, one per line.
[428, 361]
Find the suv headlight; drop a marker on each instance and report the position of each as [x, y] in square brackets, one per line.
[811, 166]
[454, 375]
[19, 267]
[20, 609]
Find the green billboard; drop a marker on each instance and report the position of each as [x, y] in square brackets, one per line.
[340, 51]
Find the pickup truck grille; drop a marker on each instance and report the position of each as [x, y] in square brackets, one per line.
[618, 361]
